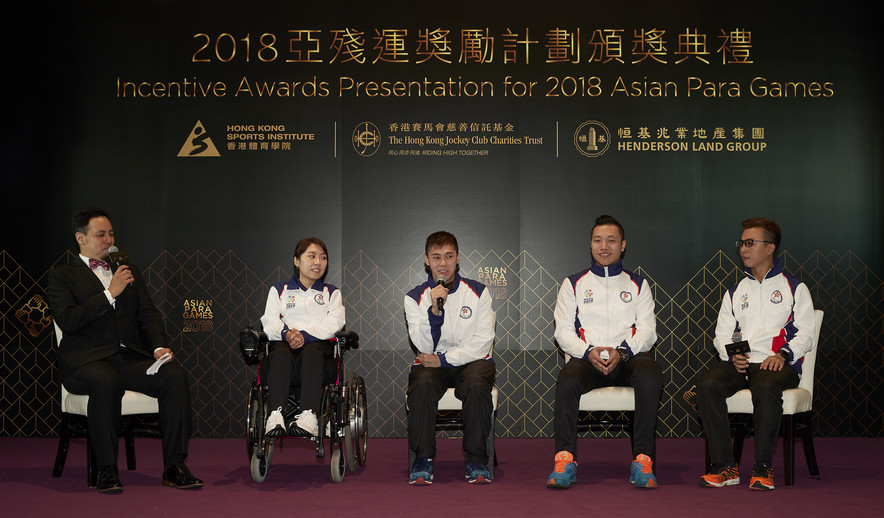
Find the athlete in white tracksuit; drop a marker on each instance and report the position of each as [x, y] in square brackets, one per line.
[605, 322]
[773, 311]
[451, 324]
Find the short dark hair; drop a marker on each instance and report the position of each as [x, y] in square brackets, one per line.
[604, 219]
[771, 230]
[440, 239]
[81, 219]
[302, 247]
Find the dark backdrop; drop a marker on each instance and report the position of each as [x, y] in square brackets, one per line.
[212, 232]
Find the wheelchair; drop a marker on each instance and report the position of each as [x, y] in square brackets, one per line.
[343, 415]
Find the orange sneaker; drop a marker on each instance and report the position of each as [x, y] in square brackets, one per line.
[564, 473]
[762, 477]
[721, 475]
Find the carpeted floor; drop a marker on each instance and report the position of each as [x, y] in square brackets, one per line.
[300, 485]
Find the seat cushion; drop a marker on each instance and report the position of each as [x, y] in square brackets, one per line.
[133, 403]
[605, 399]
[795, 401]
[449, 402]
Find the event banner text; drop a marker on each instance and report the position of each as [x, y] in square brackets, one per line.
[464, 62]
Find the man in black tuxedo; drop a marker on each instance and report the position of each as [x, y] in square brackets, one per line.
[111, 334]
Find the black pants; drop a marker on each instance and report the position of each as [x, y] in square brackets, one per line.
[312, 365]
[106, 380]
[472, 385]
[723, 381]
[578, 377]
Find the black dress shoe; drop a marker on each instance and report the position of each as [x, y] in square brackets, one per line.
[108, 480]
[180, 477]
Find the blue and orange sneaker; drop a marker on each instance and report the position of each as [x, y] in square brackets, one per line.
[565, 472]
[762, 477]
[421, 472]
[641, 472]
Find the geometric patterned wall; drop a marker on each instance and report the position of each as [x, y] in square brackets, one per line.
[226, 295]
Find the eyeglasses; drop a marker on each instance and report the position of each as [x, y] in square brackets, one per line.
[749, 243]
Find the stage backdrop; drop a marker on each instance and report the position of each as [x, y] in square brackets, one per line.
[218, 134]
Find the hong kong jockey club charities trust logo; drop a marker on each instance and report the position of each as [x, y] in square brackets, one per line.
[776, 297]
[466, 312]
[592, 139]
[366, 139]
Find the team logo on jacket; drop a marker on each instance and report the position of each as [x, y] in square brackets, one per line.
[290, 301]
[744, 301]
[466, 312]
[319, 300]
[776, 297]
[587, 296]
[626, 296]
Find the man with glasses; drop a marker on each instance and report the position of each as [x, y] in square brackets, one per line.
[773, 312]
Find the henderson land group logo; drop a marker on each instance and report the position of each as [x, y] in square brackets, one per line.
[592, 139]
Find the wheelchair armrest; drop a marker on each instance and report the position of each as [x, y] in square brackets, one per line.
[251, 341]
[347, 339]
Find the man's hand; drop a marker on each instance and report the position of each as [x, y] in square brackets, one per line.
[602, 365]
[121, 279]
[438, 292]
[159, 353]
[773, 363]
[294, 338]
[741, 362]
[429, 360]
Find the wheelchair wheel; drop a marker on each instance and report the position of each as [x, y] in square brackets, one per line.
[338, 467]
[359, 419]
[255, 419]
[260, 464]
[322, 421]
[349, 447]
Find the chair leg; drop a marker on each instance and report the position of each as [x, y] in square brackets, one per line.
[739, 437]
[789, 449]
[489, 446]
[129, 436]
[64, 442]
[708, 457]
[807, 441]
[91, 468]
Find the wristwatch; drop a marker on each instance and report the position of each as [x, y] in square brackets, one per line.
[784, 354]
[624, 356]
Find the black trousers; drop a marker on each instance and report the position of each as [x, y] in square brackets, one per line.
[106, 380]
[578, 376]
[723, 381]
[472, 385]
[311, 366]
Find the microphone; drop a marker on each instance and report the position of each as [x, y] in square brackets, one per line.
[118, 258]
[440, 301]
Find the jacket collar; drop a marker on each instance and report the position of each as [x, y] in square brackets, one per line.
[776, 270]
[606, 271]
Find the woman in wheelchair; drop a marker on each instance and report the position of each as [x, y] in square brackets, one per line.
[301, 316]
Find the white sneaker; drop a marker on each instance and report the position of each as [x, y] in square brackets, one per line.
[306, 421]
[275, 424]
